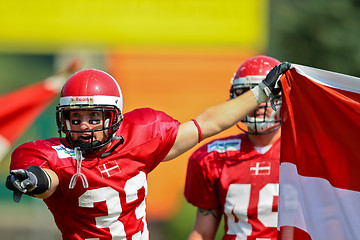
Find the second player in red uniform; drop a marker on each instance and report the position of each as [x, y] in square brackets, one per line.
[237, 176]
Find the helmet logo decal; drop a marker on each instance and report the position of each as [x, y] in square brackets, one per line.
[81, 100]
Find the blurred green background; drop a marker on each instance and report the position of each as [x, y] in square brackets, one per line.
[38, 38]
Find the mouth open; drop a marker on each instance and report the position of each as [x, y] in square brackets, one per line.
[85, 138]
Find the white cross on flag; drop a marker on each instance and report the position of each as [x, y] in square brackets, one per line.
[320, 158]
[109, 169]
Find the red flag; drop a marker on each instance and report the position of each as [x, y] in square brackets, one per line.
[20, 108]
[320, 158]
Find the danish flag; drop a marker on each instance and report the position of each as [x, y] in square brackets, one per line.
[109, 169]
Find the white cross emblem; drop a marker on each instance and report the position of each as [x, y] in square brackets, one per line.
[109, 169]
[261, 168]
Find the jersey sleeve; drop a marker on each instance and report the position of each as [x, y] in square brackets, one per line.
[200, 185]
[150, 134]
[167, 129]
[28, 154]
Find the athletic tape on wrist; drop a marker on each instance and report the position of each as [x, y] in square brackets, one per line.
[198, 128]
[259, 94]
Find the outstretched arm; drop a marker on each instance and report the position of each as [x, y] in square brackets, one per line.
[220, 117]
[213, 120]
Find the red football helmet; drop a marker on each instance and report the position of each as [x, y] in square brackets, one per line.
[248, 75]
[90, 89]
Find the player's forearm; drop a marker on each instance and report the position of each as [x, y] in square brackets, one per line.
[213, 120]
[54, 183]
[206, 224]
[220, 117]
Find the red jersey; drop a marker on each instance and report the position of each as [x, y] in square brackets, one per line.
[113, 206]
[229, 174]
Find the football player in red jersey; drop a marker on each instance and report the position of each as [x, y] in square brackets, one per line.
[237, 176]
[93, 178]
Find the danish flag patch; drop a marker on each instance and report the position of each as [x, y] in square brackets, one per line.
[109, 169]
[261, 168]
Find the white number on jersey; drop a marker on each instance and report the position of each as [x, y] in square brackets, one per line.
[237, 204]
[112, 199]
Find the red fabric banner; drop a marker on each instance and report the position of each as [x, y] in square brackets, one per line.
[20, 108]
[320, 161]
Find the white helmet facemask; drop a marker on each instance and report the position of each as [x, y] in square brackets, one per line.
[260, 125]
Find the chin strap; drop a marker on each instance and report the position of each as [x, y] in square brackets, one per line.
[89, 146]
[105, 154]
[78, 156]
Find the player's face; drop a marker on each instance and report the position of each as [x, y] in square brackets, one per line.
[262, 119]
[84, 120]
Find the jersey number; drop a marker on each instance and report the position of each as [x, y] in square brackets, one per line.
[237, 204]
[112, 199]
